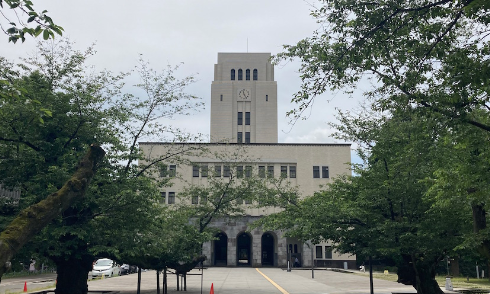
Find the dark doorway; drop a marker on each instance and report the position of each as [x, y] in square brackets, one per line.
[268, 249]
[243, 249]
[221, 249]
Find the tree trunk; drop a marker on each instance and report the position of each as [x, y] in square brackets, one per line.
[165, 280]
[33, 219]
[158, 282]
[72, 275]
[419, 273]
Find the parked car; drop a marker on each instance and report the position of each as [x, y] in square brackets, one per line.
[125, 269]
[105, 267]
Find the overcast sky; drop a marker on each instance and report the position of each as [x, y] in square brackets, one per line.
[193, 32]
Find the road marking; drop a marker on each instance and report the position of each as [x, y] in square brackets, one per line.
[273, 283]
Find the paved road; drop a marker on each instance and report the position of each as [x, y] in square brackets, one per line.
[250, 280]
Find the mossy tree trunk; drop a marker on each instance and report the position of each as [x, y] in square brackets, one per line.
[33, 219]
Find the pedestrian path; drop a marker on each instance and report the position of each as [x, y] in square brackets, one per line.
[258, 281]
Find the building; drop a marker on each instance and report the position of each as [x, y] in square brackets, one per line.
[244, 114]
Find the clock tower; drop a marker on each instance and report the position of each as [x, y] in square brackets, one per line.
[244, 99]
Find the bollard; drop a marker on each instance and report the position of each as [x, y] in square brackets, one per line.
[449, 284]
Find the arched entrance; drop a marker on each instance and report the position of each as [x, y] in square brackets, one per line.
[221, 249]
[244, 249]
[268, 249]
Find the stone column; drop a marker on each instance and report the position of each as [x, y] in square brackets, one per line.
[231, 256]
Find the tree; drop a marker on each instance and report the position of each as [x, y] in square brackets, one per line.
[43, 149]
[385, 210]
[29, 21]
[432, 54]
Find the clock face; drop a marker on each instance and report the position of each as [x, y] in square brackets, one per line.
[244, 94]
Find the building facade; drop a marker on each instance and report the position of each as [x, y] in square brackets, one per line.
[244, 115]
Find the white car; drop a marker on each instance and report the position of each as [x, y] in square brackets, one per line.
[105, 267]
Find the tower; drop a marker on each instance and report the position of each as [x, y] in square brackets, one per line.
[244, 99]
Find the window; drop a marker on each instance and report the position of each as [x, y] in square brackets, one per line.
[173, 171]
[262, 171]
[316, 172]
[204, 171]
[239, 201]
[217, 171]
[270, 171]
[232, 74]
[324, 172]
[319, 252]
[292, 171]
[328, 252]
[240, 74]
[255, 74]
[247, 118]
[239, 171]
[266, 97]
[195, 199]
[226, 171]
[163, 197]
[171, 197]
[220, 97]
[204, 199]
[284, 171]
[295, 248]
[247, 137]
[248, 171]
[195, 171]
[163, 171]
[239, 137]
[247, 75]
[248, 201]
[240, 118]
[290, 248]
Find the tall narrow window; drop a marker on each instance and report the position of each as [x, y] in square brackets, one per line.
[240, 74]
[248, 171]
[172, 171]
[284, 171]
[163, 171]
[171, 197]
[292, 171]
[217, 171]
[247, 118]
[325, 172]
[220, 97]
[226, 171]
[195, 171]
[328, 252]
[239, 171]
[204, 171]
[247, 75]
[232, 74]
[195, 199]
[240, 118]
[239, 137]
[295, 248]
[316, 172]
[266, 97]
[247, 137]
[255, 74]
[319, 252]
[261, 171]
[163, 197]
[270, 171]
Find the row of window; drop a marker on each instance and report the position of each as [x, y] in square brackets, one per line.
[243, 171]
[239, 137]
[240, 118]
[320, 251]
[247, 74]
[316, 172]
[169, 200]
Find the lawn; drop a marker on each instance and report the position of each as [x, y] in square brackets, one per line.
[458, 282]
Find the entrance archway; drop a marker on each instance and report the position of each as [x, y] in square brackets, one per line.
[221, 249]
[244, 249]
[267, 249]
